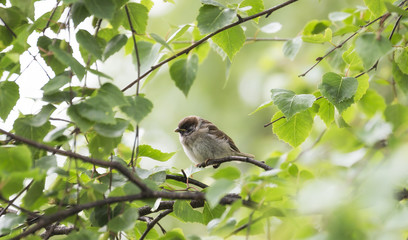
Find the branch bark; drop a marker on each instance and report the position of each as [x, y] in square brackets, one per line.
[210, 162]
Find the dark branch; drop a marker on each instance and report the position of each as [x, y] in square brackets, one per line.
[52, 15]
[114, 165]
[188, 49]
[274, 121]
[8, 28]
[184, 180]
[151, 224]
[15, 198]
[210, 162]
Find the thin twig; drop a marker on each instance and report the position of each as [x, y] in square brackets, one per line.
[184, 180]
[204, 39]
[274, 121]
[115, 165]
[249, 39]
[15, 198]
[8, 28]
[51, 16]
[135, 148]
[210, 162]
[244, 226]
[151, 224]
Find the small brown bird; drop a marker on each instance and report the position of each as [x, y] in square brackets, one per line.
[202, 140]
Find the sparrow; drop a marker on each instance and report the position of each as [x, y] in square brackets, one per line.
[202, 140]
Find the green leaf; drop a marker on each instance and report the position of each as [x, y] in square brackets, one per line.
[174, 234]
[183, 210]
[6, 38]
[400, 78]
[210, 214]
[138, 15]
[43, 44]
[313, 31]
[101, 8]
[56, 83]
[218, 190]
[100, 74]
[371, 47]
[26, 7]
[112, 95]
[336, 88]
[397, 114]
[23, 127]
[262, 106]
[10, 221]
[182, 29]
[45, 163]
[112, 130]
[9, 94]
[229, 172]
[292, 47]
[34, 193]
[293, 131]
[377, 7]
[83, 234]
[372, 102]
[114, 45]
[257, 6]
[79, 12]
[148, 53]
[83, 123]
[138, 108]
[96, 110]
[363, 85]
[338, 16]
[290, 103]
[87, 41]
[43, 116]
[401, 58]
[124, 221]
[65, 57]
[101, 147]
[326, 111]
[211, 18]
[161, 41]
[148, 151]
[392, 8]
[15, 159]
[230, 40]
[184, 72]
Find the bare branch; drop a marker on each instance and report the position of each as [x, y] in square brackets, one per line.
[184, 180]
[188, 49]
[274, 121]
[15, 198]
[115, 165]
[151, 224]
[8, 28]
[210, 162]
[52, 15]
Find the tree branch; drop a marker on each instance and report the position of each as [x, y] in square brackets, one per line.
[184, 180]
[204, 39]
[114, 165]
[210, 162]
[151, 224]
[52, 15]
[8, 28]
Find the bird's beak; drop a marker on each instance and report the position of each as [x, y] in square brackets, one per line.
[179, 130]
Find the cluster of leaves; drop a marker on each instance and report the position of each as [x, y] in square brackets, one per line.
[369, 37]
